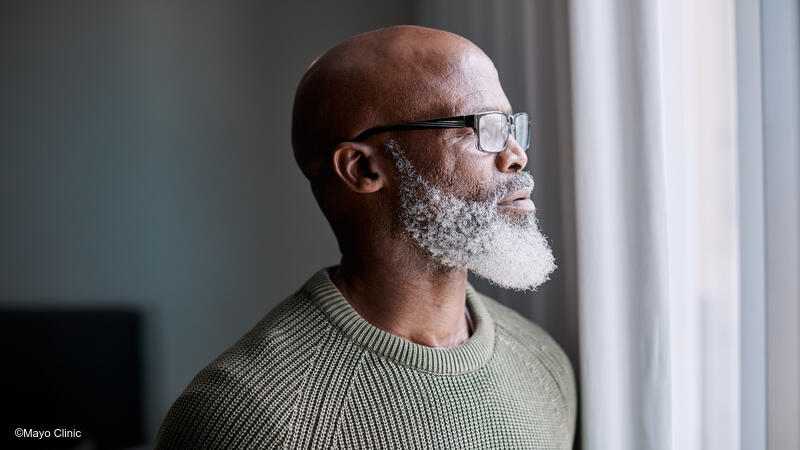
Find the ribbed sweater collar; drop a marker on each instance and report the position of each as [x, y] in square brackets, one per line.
[463, 358]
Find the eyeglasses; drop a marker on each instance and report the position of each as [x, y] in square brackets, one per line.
[492, 128]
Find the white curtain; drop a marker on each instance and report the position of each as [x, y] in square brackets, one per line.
[655, 176]
[622, 237]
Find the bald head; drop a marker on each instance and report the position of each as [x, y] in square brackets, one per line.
[387, 76]
[392, 76]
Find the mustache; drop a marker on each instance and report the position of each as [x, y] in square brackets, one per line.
[517, 181]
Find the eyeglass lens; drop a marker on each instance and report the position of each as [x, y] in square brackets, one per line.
[522, 130]
[494, 129]
[493, 132]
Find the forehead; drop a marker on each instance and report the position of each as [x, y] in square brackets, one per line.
[473, 86]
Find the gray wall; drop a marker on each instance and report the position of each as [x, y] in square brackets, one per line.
[145, 161]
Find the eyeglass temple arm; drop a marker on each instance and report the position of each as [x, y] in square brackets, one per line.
[449, 122]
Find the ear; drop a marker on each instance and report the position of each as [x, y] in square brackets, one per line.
[359, 166]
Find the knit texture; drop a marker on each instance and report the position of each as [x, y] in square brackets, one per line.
[314, 374]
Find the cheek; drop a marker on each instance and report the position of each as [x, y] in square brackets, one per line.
[468, 176]
[457, 169]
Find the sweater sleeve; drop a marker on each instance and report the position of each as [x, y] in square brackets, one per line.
[565, 377]
[186, 423]
[559, 366]
[547, 352]
[212, 413]
[225, 407]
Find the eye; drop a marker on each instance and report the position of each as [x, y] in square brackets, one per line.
[465, 133]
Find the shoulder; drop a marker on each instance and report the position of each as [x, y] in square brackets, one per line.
[514, 324]
[529, 334]
[246, 397]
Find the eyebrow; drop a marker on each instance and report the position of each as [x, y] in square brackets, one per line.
[485, 108]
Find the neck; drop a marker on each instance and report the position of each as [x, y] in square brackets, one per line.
[413, 301]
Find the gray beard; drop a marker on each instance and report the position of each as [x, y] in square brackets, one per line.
[475, 235]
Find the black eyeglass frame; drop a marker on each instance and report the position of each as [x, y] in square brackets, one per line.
[468, 121]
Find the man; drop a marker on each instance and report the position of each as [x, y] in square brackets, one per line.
[393, 348]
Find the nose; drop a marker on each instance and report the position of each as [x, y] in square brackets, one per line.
[513, 158]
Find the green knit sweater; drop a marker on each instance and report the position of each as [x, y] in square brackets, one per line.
[314, 373]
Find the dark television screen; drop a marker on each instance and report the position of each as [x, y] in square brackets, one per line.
[72, 370]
